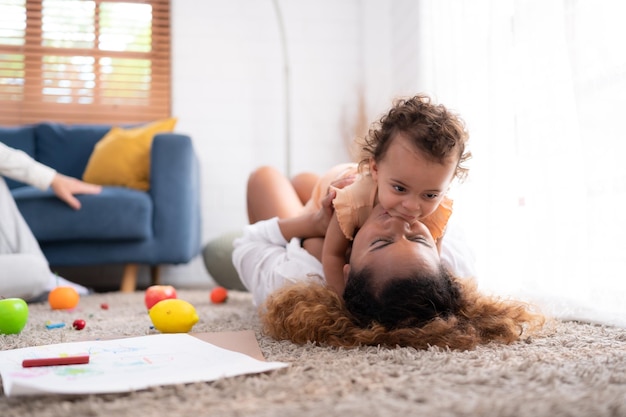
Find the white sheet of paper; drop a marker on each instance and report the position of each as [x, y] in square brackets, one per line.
[127, 364]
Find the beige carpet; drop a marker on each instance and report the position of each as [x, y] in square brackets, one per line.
[572, 369]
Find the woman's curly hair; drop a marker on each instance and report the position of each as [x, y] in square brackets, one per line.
[310, 312]
[432, 128]
[409, 299]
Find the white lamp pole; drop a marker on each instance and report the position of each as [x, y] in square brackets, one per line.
[287, 86]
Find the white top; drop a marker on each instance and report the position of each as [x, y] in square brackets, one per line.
[265, 261]
[19, 166]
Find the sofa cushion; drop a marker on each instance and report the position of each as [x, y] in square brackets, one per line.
[122, 157]
[67, 148]
[21, 137]
[114, 214]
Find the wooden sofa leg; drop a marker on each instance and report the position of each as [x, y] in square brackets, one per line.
[129, 279]
[155, 275]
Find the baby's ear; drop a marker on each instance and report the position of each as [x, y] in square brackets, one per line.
[346, 272]
[373, 169]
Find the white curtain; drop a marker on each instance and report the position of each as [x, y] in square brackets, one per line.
[541, 85]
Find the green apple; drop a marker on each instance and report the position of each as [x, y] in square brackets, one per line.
[13, 315]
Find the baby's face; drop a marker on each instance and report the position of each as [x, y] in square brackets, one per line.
[410, 185]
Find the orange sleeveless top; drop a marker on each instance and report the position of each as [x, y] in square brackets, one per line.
[353, 204]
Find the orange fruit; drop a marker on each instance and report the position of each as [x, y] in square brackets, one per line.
[63, 298]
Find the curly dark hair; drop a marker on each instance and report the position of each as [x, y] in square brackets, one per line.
[408, 301]
[433, 129]
[310, 312]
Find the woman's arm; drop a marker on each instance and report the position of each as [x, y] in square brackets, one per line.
[18, 165]
[265, 260]
[308, 224]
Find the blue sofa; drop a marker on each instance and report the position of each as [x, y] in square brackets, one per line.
[120, 225]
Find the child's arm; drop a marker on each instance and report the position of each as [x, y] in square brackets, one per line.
[334, 256]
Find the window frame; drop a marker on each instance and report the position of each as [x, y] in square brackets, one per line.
[34, 105]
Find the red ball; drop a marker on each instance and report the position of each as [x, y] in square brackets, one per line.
[104, 306]
[218, 295]
[79, 324]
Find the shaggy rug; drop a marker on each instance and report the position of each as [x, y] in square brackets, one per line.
[570, 369]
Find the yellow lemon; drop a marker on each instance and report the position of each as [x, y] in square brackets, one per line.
[173, 316]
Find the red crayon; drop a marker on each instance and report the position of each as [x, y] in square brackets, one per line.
[65, 360]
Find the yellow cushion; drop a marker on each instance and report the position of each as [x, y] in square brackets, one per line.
[122, 156]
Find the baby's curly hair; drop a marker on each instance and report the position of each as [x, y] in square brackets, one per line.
[433, 129]
[310, 312]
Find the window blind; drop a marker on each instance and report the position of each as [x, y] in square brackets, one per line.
[84, 61]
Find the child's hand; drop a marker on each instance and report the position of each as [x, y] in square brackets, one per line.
[343, 182]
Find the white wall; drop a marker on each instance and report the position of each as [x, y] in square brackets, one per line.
[229, 93]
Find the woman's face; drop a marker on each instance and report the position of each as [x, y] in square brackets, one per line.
[385, 243]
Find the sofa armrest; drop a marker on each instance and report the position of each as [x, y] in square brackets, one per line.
[175, 190]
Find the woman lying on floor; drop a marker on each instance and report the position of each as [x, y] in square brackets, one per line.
[415, 301]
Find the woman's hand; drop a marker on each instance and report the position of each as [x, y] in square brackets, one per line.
[66, 187]
[325, 213]
[313, 225]
[323, 216]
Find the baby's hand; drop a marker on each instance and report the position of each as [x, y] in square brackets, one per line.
[343, 182]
